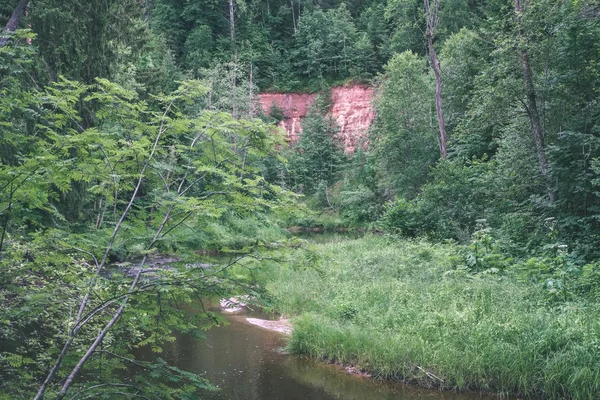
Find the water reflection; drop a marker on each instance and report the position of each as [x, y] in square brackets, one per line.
[247, 363]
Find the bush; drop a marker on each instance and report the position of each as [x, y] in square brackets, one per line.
[449, 207]
[360, 205]
[402, 217]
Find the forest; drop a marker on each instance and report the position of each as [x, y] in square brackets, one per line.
[133, 148]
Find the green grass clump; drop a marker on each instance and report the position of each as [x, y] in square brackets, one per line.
[410, 310]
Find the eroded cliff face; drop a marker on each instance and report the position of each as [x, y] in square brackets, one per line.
[351, 108]
[294, 107]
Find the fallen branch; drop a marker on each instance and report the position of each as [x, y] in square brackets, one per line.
[429, 374]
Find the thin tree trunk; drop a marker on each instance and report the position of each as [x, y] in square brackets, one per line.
[4, 228]
[432, 22]
[99, 338]
[532, 110]
[101, 211]
[293, 15]
[7, 217]
[234, 103]
[232, 21]
[329, 202]
[235, 60]
[121, 309]
[13, 22]
[117, 314]
[250, 116]
[251, 93]
[438, 99]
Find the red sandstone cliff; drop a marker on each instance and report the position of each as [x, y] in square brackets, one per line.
[294, 107]
[351, 109]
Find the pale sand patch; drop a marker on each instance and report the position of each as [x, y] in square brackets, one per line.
[281, 325]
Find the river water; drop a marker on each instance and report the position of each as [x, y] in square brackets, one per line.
[247, 362]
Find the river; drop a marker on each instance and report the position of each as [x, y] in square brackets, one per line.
[247, 362]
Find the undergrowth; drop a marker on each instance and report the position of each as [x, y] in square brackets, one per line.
[414, 311]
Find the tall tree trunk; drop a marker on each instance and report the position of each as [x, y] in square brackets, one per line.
[531, 105]
[232, 21]
[251, 93]
[234, 110]
[7, 217]
[13, 22]
[234, 102]
[435, 63]
[250, 116]
[293, 15]
[432, 22]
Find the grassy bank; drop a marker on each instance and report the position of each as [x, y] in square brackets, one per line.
[411, 311]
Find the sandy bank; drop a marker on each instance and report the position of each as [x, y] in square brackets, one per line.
[282, 325]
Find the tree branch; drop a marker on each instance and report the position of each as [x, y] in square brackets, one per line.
[100, 386]
[84, 302]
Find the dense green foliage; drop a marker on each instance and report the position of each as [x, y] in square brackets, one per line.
[131, 129]
[290, 43]
[316, 160]
[512, 307]
[496, 169]
[102, 173]
[142, 182]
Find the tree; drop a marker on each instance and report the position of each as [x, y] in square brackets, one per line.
[316, 159]
[84, 40]
[402, 136]
[463, 58]
[531, 105]
[13, 22]
[324, 45]
[147, 173]
[376, 28]
[432, 20]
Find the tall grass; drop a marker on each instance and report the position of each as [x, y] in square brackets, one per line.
[410, 311]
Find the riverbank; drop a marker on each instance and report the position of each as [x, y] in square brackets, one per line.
[282, 325]
[412, 312]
